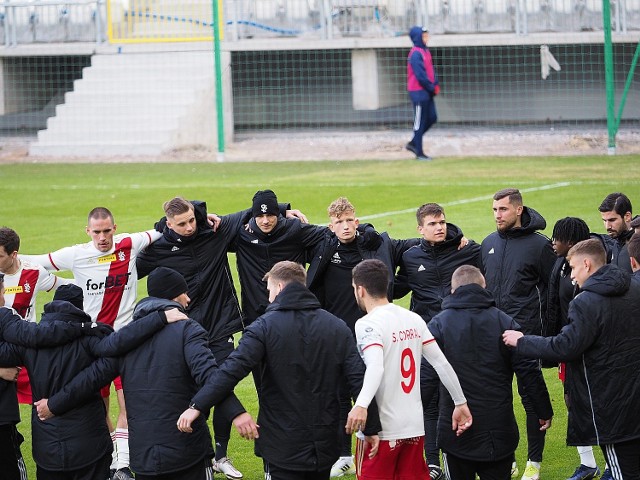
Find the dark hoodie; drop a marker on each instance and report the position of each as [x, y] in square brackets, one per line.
[427, 269]
[517, 266]
[601, 347]
[302, 353]
[469, 332]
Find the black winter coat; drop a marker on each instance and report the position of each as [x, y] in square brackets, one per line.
[427, 269]
[601, 347]
[13, 328]
[159, 378]
[202, 261]
[617, 252]
[517, 265]
[302, 353]
[80, 437]
[469, 332]
[257, 252]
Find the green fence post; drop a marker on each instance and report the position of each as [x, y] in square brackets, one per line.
[609, 76]
[218, 73]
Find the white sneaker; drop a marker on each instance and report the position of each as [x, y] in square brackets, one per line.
[225, 467]
[514, 470]
[531, 472]
[344, 466]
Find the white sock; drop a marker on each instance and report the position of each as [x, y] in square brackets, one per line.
[586, 456]
[114, 454]
[122, 441]
[535, 464]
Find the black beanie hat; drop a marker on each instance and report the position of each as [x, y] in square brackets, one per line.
[265, 202]
[166, 283]
[70, 293]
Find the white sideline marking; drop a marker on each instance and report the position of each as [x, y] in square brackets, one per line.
[467, 200]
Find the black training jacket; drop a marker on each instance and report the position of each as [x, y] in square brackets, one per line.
[427, 269]
[601, 348]
[517, 265]
[158, 378]
[370, 245]
[302, 354]
[257, 252]
[202, 261]
[469, 332]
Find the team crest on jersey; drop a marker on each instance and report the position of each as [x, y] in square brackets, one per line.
[336, 258]
[107, 258]
[27, 287]
[121, 256]
[11, 290]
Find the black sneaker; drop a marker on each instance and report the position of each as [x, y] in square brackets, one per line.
[435, 473]
[409, 146]
[123, 474]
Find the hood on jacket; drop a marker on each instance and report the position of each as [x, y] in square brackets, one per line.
[469, 296]
[530, 220]
[416, 36]
[294, 296]
[149, 305]
[608, 281]
[65, 311]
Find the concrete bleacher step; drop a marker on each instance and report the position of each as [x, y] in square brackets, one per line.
[136, 104]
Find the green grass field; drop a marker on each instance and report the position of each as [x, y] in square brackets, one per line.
[47, 206]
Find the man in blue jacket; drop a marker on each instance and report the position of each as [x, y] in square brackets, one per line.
[423, 86]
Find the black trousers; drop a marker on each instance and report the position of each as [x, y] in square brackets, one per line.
[623, 459]
[461, 469]
[11, 460]
[273, 472]
[96, 471]
[221, 349]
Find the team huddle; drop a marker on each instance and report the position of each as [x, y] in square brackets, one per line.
[427, 390]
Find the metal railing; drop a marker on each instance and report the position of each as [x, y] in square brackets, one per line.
[52, 21]
[48, 21]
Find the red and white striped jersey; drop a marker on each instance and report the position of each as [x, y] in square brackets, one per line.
[21, 288]
[109, 279]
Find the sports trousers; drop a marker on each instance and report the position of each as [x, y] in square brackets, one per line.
[623, 459]
[460, 469]
[273, 472]
[96, 471]
[11, 460]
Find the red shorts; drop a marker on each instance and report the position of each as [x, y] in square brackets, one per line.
[396, 460]
[24, 387]
[117, 382]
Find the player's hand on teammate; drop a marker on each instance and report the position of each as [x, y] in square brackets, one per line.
[187, 418]
[464, 241]
[356, 420]
[175, 315]
[10, 374]
[461, 420]
[214, 221]
[511, 337]
[95, 329]
[42, 407]
[297, 214]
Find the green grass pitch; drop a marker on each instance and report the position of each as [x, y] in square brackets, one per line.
[47, 205]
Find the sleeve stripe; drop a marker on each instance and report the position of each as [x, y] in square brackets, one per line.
[426, 342]
[55, 281]
[53, 264]
[372, 345]
[150, 239]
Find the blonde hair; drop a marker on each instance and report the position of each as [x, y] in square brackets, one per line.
[340, 206]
